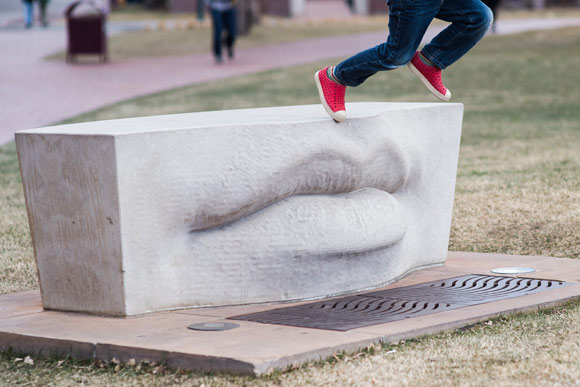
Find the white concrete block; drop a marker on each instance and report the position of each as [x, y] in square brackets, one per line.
[234, 207]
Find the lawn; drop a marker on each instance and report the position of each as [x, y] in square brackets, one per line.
[518, 192]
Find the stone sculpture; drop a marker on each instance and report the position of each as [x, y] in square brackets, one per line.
[237, 207]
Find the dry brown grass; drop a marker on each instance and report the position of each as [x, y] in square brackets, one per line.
[17, 269]
[519, 197]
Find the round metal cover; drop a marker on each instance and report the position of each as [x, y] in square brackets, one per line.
[213, 326]
[513, 270]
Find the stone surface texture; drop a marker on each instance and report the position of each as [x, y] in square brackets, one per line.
[237, 207]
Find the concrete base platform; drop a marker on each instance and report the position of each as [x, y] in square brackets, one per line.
[255, 348]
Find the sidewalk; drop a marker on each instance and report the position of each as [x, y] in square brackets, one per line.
[36, 93]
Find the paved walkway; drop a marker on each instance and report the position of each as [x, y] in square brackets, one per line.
[36, 93]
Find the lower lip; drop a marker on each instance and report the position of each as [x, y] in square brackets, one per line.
[314, 226]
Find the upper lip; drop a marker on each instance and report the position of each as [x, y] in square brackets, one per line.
[247, 180]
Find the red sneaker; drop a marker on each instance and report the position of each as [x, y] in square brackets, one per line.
[430, 76]
[331, 95]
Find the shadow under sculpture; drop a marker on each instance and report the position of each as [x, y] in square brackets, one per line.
[236, 207]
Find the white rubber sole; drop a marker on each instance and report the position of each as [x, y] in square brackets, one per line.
[338, 116]
[427, 84]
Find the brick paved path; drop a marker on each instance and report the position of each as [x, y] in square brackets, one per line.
[36, 93]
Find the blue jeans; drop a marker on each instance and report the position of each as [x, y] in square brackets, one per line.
[223, 19]
[408, 21]
[28, 13]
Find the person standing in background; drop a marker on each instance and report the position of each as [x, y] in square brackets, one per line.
[29, 12]
[223, 14]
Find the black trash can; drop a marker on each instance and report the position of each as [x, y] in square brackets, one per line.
[86, 32]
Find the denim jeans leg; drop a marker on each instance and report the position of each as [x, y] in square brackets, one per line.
[470, 20]
[42, 7]
[28, 13]
[230, 24]
[217, 32]
[408, 21]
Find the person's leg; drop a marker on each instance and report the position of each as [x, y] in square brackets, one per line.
[408, 21]
[470, 20]
[28, 13]
[200, 8]
[42, 5]
[217, 22]
[230, 19]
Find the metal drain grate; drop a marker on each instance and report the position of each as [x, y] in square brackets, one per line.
[383, 306]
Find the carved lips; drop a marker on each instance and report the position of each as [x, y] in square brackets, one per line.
[326, 197]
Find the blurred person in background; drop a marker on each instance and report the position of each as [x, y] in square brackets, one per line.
[29, 12]
[223, 14]
[350, 4]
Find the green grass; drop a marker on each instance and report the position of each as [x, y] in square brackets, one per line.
[141, 12]
[518, 192]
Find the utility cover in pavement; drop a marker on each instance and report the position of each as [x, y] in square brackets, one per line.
[357, 311]
[213, 326]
